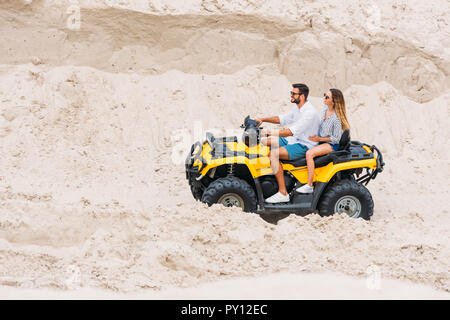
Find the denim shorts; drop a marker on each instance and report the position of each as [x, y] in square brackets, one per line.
[295, 151]
[335, 147]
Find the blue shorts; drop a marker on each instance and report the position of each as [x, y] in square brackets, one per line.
[335, 147]
[295, 151]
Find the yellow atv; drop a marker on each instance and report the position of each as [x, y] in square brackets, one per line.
[223, 170]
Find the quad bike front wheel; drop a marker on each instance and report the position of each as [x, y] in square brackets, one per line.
[347, 197]
[231, 192]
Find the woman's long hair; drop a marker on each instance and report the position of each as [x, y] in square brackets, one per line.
[339, 106]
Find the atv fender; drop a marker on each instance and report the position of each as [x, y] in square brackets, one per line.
[254, 158]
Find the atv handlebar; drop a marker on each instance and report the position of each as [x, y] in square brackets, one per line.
[249, 123]
[252, 133]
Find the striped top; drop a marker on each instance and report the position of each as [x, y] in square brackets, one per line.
[331, 127]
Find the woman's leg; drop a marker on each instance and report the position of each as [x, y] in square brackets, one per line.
[316, 151]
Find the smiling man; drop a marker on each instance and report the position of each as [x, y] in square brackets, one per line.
[291, 143]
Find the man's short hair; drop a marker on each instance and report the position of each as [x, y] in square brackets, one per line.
[302, 88]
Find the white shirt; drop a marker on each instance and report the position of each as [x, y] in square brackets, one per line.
[304, 122]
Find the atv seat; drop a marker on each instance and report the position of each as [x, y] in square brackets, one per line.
[321, 161]
[318, 161]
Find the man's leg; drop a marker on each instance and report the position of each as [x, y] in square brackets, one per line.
[274, 154]
[276, 164]
[270, 141]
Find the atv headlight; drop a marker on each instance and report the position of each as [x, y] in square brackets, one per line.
[210, 139]
[196, 150]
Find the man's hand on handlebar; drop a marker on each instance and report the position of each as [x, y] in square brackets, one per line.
[274, 120]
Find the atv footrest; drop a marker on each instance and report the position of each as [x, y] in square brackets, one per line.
[288, 206]
[302, 198]
[299, 203]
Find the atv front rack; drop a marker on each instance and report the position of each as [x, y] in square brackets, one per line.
[191, 158]
[372, 174]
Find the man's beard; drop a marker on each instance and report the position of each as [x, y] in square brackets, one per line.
[296, 101]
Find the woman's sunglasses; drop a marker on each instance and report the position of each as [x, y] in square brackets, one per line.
[325, 96]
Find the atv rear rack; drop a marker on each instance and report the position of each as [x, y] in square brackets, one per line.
[372, 174]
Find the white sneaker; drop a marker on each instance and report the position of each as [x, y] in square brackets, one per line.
[305, 189]
[277, 198]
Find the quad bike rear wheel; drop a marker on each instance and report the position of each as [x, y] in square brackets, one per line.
[347, 197]
[231, 191]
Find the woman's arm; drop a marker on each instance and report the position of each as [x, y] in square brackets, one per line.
[336, 134]
[324, 139]
[316, 138]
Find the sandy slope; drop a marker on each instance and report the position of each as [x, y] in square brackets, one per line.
[274, 287]
[95, 124]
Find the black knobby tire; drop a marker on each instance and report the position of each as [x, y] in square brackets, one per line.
[350, 191]
[232, 186]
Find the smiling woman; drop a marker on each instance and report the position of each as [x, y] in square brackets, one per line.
[334, 122]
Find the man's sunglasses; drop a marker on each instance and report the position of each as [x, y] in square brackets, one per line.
[325, 96]
[294, 93]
